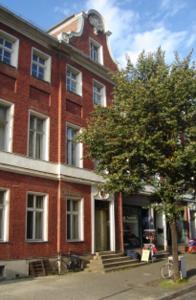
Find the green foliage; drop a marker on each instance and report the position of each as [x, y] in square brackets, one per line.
[148, 135]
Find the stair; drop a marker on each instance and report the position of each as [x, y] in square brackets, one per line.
[40, 267]
[107, 261]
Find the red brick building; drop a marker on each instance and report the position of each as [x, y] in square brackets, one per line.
[49, 83]
[49, 201]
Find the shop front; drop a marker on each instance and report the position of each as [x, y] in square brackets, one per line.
[138, 222]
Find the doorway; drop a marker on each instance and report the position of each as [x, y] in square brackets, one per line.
[102, 226]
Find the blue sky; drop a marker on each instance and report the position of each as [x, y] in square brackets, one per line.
[135, 24]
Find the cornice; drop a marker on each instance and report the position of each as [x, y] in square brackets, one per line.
[23, 165]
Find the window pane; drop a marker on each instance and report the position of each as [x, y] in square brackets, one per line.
[30, 200]
[38, 146]
[39, 202]
[31, 135]
[2, 138]
[2, 195]
[1, 224]
[75, 228]
[29, 225]
[68, 205]
[39, 225]
[8, 44]
[41, 61]
[73, 219]
[40, 124]
[41, 73]
[75, 205]
[3, 114]
[3, 117]
[32, 121]
[69, 153]
[70, 133]
[73, 150]
[1, 40]
[1, 54]
[68, 227]
[34, 70]
[7, 57]
[35, 57]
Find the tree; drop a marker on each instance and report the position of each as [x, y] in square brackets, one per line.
[147, 136]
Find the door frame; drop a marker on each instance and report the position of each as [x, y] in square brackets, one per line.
[96, 196]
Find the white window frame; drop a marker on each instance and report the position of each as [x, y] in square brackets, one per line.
[79, 147]
[99, 53]
[77, 81]
[15, 47]
[45, 142]
[45, 217]
[9, 127]
[6, 208]
[47, 67]
[103, 93]
[80, 219]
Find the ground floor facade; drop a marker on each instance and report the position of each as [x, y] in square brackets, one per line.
[41, 217]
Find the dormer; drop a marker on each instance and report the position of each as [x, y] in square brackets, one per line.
[86, 32]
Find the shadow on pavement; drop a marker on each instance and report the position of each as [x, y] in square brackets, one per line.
[191, 273]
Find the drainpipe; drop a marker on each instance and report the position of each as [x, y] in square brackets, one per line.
[120, 221]
[60, 96]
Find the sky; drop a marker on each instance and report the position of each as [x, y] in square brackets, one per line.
[136, 25]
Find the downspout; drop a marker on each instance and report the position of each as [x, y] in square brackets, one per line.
[58, 246]
[120, 221]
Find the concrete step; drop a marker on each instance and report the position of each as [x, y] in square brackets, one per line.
[123, 267]
[112, 255]
[116, 259]
[125, 263]
[105, 253]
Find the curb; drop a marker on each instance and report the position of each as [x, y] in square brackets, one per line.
[181, 292]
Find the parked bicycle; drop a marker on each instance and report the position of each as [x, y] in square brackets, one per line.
[68, 262]
[167, 270]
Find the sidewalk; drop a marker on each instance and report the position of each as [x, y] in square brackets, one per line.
[142, 283]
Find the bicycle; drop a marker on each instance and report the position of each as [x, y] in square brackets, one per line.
[167, 270]
[68, 262]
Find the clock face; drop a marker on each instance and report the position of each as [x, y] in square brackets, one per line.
[96, 22]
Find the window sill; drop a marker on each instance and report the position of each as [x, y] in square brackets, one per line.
[6, 64]
[40, 84]
[74, 93]
[36, 242]
[38, 159]
[75, 241]
[42, 80]
[74, 167]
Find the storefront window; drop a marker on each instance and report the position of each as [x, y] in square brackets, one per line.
[132, 236]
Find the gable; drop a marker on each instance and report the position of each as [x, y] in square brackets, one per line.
[86, 32]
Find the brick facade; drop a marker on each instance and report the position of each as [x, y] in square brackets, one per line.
[20, 174]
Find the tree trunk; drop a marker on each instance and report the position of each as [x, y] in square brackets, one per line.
[176, 275]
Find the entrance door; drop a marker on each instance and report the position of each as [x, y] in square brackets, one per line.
[102, 230]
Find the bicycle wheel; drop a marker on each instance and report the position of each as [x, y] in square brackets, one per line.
[167, 271]
[64, 266]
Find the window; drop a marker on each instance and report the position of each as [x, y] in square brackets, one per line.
[41, 65]
[74, 80]
[8, 49]
[74, 149]
[36, 217]
[38, 137]
[6, 124]
[4, 204]
[96, 52]
[74, 219]
[99, 94]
